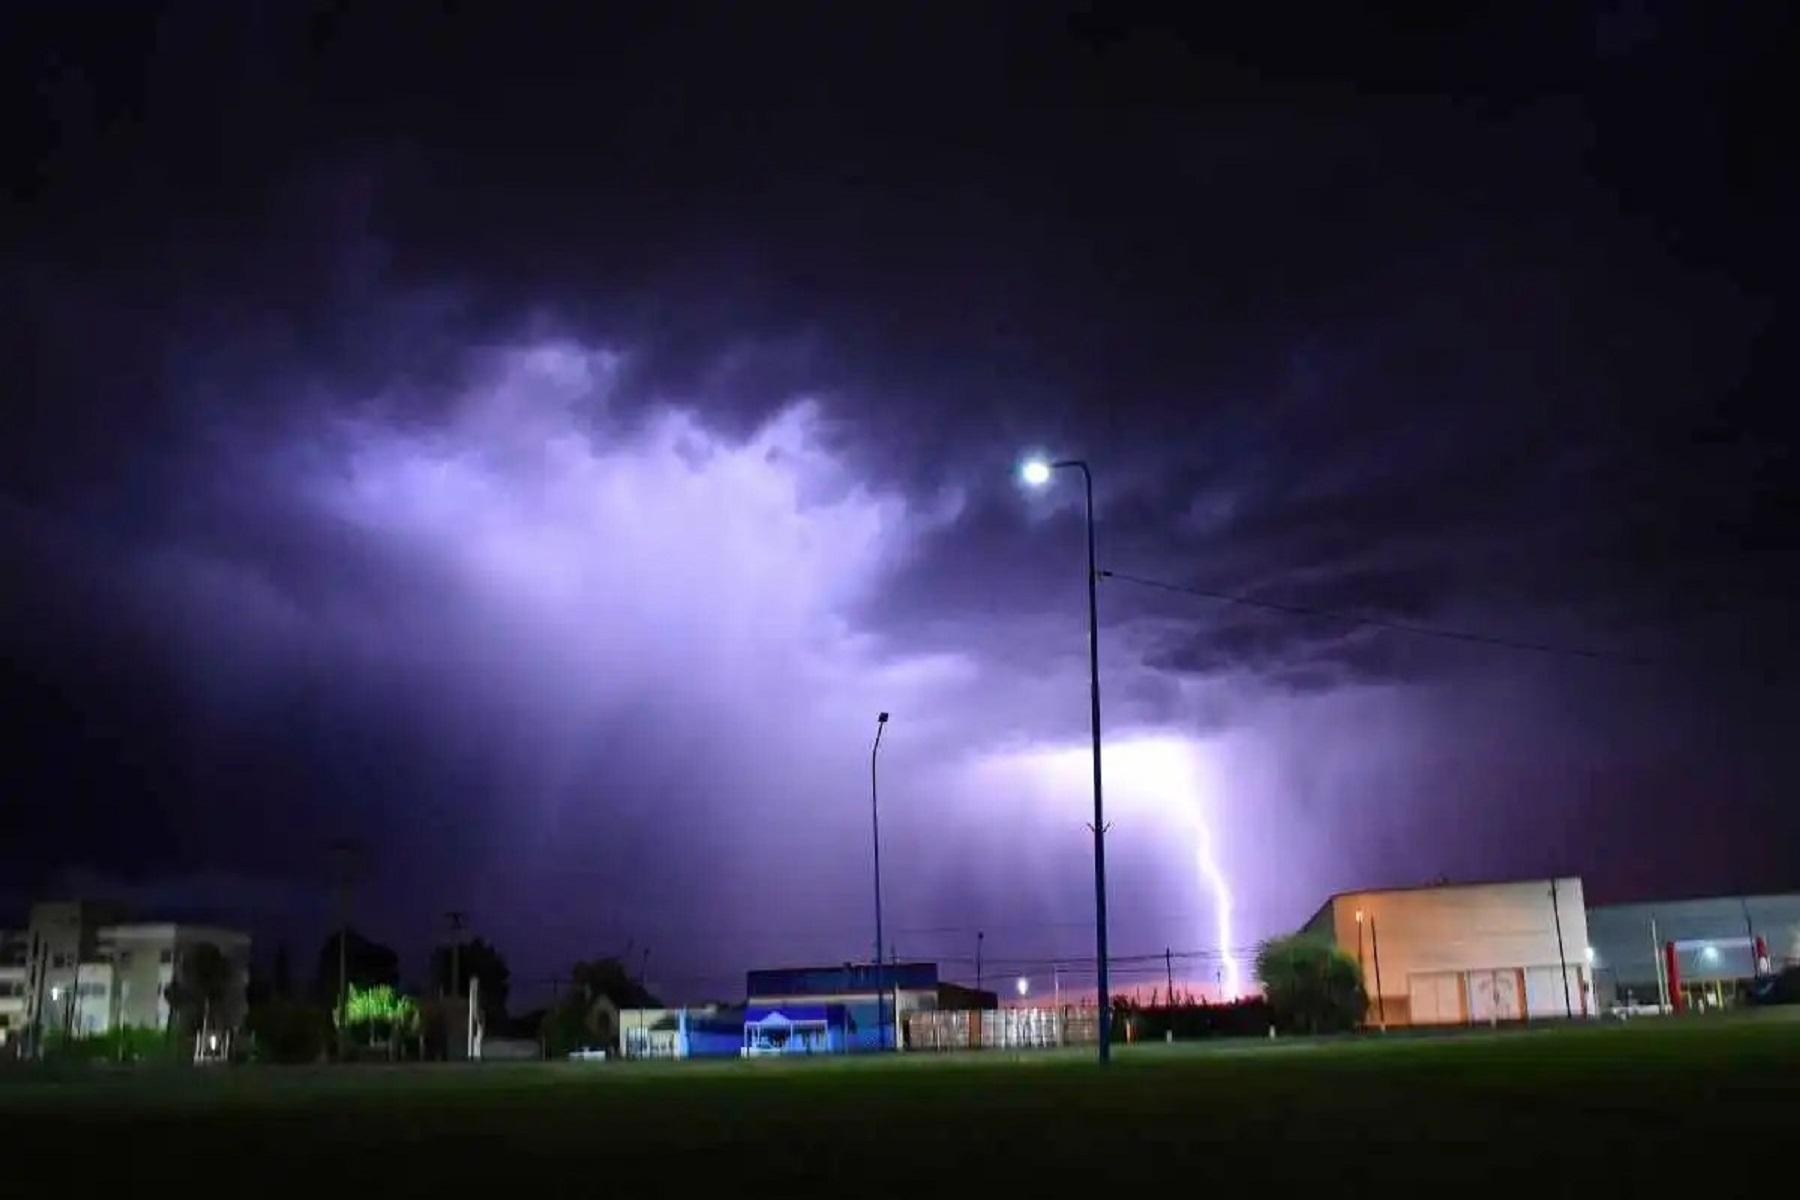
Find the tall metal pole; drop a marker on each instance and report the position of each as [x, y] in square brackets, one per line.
[1375, 945]
[875, 827]
[345, 852]
[1656, 957]
[456, 918]
[1562, 958]
[1361, 969]
[1093, 580]
[1037, 473]
[978, 937]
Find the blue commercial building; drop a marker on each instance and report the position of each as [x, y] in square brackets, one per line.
[845, 1008]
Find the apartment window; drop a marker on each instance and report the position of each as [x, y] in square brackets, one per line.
[90, 991]
[61, 960]
[123, 958]
[166, 957]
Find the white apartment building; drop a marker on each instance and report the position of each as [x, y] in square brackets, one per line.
[13, 956]
[82, 967]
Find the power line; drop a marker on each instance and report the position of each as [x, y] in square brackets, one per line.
[1430, 631]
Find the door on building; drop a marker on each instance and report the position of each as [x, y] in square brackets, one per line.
[1436, 998]
[1494, 996]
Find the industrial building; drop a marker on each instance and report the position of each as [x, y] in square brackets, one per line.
[1474, 953]
[1691, 955]
[84, 968]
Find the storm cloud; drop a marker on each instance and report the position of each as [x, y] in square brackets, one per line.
[550, 502]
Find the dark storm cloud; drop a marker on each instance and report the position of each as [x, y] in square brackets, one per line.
[541, 449]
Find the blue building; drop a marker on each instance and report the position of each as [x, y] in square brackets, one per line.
[795, 1029]
[849, 1007]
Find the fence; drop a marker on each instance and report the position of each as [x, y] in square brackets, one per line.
[1002, 1029]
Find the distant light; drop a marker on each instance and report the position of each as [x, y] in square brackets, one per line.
[1590, 954]
[1024, 985]
[1710, 953]
[1035, 472]
[1359, 916]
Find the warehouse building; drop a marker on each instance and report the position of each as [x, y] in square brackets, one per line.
[1691, 955]
[1459, 954]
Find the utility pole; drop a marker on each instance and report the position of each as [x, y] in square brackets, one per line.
[1380, 1000]
[1169, 973]
[457, 920]
[345, 853]
[1562, 959]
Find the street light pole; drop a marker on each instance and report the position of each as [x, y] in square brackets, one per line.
[1038, 473]
[875, 826]
[1361, 969]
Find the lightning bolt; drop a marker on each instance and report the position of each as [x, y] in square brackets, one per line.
[1214, 882]
[1212, 878]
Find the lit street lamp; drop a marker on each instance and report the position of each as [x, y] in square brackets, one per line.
[875, 822]
[1036, 473]
[1023, 985]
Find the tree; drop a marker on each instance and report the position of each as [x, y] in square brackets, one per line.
[1311, 985]
[607, 977]
[383, 1014]
[474, 959]
[281, 983]
[370, 964]
[587, 1014]
[200, 996]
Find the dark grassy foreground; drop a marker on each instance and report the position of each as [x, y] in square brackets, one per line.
[1558, 1110]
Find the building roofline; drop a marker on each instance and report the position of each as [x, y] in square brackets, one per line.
[1326, 907]
[855, 966]
[1725, 898]
[1446, 885]
[171, 929]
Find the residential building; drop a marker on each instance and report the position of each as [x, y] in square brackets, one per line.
[1477, 953]
[14, 954]
[83, 967]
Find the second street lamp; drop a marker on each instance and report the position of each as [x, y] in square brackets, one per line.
[1036, 473]
[875, 825]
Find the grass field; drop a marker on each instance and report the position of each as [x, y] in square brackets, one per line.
[1557, 1110]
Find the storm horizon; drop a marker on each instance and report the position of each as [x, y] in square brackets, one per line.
[544, 483]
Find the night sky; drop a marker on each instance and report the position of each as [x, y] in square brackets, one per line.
[537, 446]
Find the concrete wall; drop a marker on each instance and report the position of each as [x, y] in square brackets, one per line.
[1467, 953]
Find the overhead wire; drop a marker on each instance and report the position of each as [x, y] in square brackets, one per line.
[1412, 630]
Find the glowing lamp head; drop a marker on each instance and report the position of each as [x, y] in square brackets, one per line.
[1023, 985]
[1035, 472]
[1359, 916]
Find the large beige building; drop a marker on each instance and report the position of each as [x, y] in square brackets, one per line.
[83, 967]
[1456, 954]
